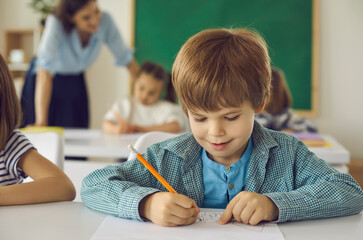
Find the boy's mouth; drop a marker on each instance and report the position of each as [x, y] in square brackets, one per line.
[219, 146]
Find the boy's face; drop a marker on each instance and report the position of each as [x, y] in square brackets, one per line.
[224, 134]
[147, 89]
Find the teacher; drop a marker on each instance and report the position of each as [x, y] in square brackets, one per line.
[54, 92]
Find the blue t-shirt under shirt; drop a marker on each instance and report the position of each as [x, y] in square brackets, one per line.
[222, 182]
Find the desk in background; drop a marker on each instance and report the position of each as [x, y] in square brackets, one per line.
[95, 143]
[335, 155]
[72, 220]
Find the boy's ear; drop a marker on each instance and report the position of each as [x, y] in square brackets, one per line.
[261, 107]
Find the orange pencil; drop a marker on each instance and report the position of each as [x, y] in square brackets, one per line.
[152, 170]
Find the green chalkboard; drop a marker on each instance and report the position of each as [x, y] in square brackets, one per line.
[162, 26]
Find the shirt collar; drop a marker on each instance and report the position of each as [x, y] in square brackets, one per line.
[243, 159]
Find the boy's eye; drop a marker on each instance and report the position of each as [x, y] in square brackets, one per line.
[199, 119]
[233, 118]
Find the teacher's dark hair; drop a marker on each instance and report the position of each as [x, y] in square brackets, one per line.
[66, 9]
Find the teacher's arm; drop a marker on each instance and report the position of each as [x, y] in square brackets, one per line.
[124, 56]
[43, 91]
[133, 68]
[52, 37]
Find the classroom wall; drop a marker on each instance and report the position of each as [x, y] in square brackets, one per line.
[340, 74]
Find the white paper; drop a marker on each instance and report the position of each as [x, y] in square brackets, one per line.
[113, 228]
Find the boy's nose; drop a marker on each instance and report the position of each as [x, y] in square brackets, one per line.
[216, 129]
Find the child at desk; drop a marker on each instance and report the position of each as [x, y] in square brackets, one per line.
[19, 159]
[144, 111]
[222, 78]
[278, 114]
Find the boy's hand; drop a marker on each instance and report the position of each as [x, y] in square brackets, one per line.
[169, 209]
[250, 208]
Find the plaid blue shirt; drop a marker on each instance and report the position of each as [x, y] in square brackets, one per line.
[281, 167]
[222, 183]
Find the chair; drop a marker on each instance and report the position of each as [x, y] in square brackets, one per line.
[48, 144]
[147, 139]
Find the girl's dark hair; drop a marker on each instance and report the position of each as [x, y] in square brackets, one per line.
[10, 113]
[280, 93]
[66, 9]
[161, 74]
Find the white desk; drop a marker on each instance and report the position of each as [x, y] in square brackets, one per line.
[336, 154]
[72, 220]
[95, 143]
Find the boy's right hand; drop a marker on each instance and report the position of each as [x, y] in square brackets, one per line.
[169, 209]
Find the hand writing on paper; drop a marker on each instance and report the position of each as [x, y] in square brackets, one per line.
[123, 126]
[250, 208]
[169, 209]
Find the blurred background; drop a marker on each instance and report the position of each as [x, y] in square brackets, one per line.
[339, 50]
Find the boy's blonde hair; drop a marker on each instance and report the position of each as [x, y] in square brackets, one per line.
[222, 68]
[10, 112]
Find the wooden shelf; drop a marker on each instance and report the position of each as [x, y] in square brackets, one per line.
[18, 66]
[25, 40]
[22, 39]
[356, 170]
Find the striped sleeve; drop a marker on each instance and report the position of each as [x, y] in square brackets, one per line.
[16, 146]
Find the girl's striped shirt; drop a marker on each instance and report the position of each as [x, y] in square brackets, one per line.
[15, 147]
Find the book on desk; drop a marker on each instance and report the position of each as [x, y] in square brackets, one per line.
[311, 139]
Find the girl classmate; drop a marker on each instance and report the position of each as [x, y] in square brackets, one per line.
[19, 158]
[144, 111]
[278, 114]
[55, 91]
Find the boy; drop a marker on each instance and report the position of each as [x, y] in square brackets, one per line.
[222, 78]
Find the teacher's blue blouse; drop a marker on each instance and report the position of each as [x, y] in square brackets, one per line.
[61, 52]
